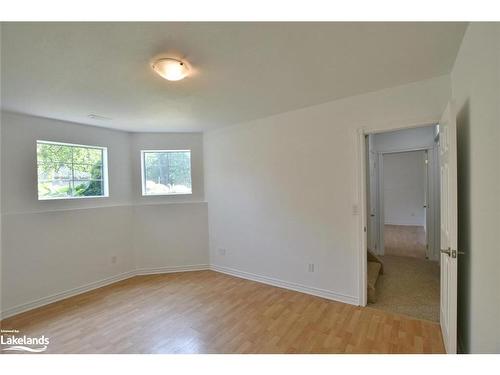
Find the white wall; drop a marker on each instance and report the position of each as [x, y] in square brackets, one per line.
[476, 89]
[404, 188]
[281, 189]
[170, 235]
[47, 253]
[51, 247]
[19, 190]
[169, 231]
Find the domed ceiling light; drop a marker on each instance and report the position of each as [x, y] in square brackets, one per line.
[171, 69]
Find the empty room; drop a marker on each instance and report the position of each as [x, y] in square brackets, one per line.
[250, 188]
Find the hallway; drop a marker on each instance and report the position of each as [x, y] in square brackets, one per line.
[405, 240]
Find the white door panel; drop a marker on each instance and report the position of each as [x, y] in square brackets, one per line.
[371, 175]
[373, 200]
[448, 213]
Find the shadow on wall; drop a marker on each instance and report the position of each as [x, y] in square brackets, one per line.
[463, 166]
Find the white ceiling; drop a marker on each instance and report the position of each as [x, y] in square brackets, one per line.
[244, 71]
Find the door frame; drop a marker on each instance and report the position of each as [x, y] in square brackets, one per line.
[361, 192]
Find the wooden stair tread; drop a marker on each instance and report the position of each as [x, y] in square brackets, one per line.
[372, 257]
[373, 270]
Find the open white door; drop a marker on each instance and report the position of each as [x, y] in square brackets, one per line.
[371, 178]
[448, 260]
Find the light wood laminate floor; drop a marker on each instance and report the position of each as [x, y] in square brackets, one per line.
[209, 312]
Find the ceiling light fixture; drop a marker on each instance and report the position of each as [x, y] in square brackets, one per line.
[171, 69]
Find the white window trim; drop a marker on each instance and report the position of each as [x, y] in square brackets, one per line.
[104, 171]
[143, 173]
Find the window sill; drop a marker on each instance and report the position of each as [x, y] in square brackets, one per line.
[165, 195]
[71, 198]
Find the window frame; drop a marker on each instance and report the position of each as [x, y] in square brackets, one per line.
[105, 177]
[143, 172]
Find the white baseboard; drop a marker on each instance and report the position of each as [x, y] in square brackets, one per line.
[404, 223]
[288, 285]
[195, 267]
[66, 294]
[158, 270]
[97, 284]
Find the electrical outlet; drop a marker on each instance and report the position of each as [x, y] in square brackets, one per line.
[222, 252]
[310, 267]
[113, 259]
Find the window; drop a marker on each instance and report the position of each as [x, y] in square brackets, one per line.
[67, 171]
[166, 172]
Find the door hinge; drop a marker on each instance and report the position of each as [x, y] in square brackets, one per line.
[449, 252]
[446, 251]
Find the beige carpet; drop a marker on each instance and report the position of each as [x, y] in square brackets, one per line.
[404, 240]
[409, 286]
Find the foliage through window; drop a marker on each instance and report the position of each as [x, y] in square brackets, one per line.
[166, 172]
[71, 171]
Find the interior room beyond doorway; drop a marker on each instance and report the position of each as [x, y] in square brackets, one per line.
[404, 183]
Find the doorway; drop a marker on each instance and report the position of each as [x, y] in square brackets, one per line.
[402, 184]
[444, 227]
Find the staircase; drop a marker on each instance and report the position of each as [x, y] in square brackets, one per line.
[375, 267]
